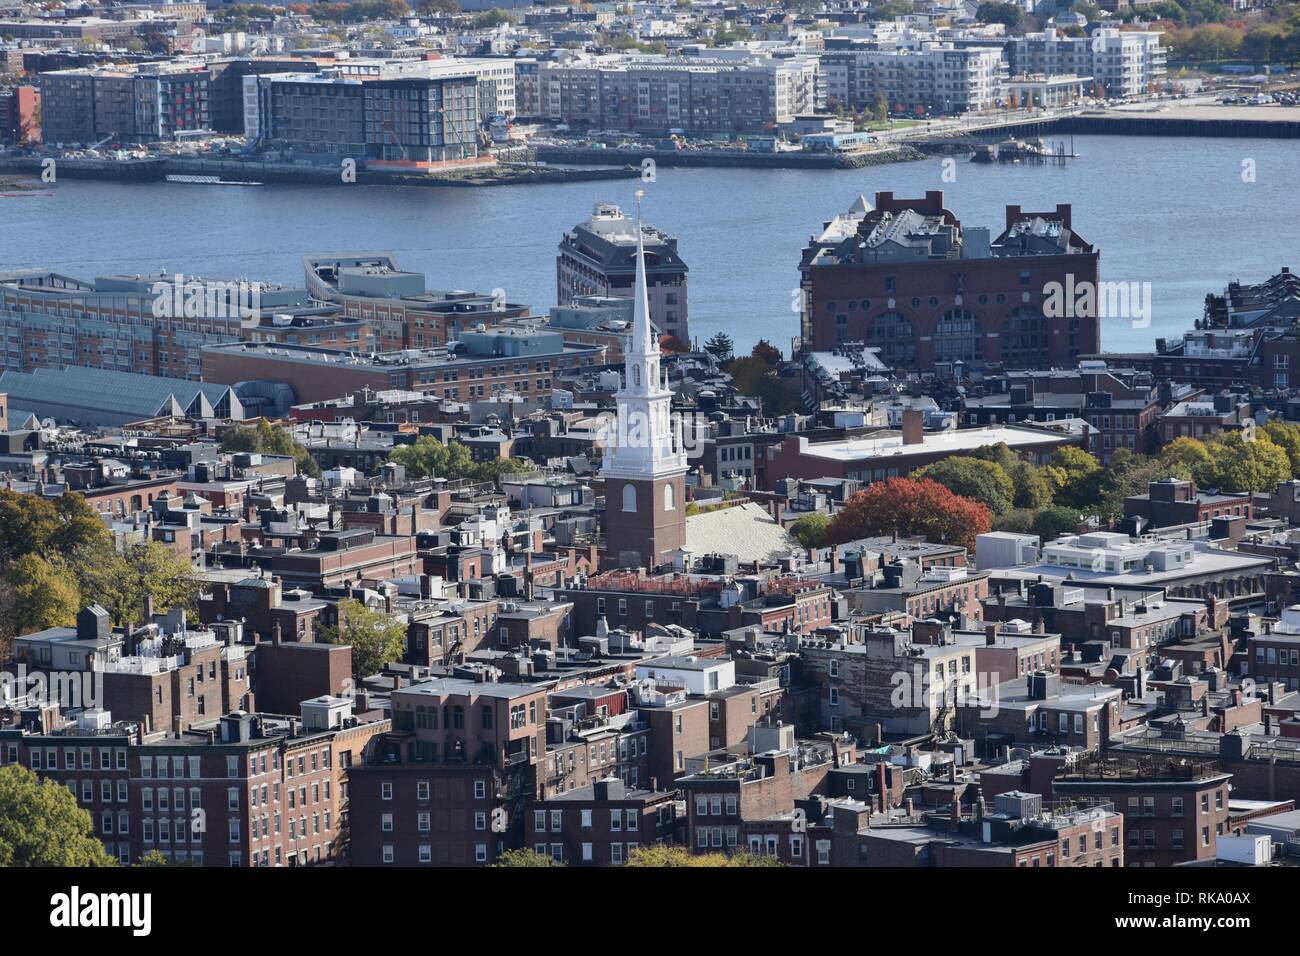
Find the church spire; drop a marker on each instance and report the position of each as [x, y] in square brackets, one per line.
[644, 340]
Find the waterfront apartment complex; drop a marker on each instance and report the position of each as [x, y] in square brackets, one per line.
[691, 94]
[937, 77]
[598, 258]
[138, 104]
[915, 284]
[1122, 63]
[415, 121]
[116, 322]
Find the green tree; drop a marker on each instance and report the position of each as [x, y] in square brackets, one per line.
[375, 638]
[662, 855]
[1016, 521]
[153, 858]
[1186, 458]
[1054, 521]
[119, 581]
[721, 347]
[1080, 472]
[41, 824]
[1241, 466]
[43, 595]
[269, 439]
[30, 524]
[525, 857]
[1128, 473]
[974, 478]
[995, 11]
[492, 18]
[427, 457]
[810, 529]
[1287, 437]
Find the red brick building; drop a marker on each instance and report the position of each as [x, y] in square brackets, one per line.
[915, 283]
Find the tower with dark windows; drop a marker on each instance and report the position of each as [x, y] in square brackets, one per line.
[645, 466]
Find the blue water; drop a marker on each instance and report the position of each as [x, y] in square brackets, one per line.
[1173, 212]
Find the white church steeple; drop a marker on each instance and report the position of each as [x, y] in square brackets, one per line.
[646, 445]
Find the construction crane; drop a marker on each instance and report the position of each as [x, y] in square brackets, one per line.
[388, 128]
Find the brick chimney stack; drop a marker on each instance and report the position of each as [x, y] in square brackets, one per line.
[913, 426]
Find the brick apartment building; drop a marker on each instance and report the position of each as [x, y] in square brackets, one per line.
[1174, 809]
[601, 824]
[1171, 501]
[244, 790]
[449, 785]
[926, 291]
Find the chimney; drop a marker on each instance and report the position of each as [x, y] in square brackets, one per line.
[148, 610]
[882, 786]
[913, 426]
[955, 824]
[275, 634]
[990, 635]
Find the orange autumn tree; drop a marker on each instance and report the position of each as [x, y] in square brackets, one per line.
[911, 506]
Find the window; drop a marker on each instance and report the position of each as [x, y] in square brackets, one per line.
[670, 498]
[629, 498]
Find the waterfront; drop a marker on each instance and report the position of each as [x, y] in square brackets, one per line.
[1175, 212]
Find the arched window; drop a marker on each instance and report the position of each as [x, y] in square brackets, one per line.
[670, 498]
[636, 374]
[629, 497]
[892, 334]
[1024, 339]
[957, 336]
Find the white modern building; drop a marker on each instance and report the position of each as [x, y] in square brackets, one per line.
[1123, 63]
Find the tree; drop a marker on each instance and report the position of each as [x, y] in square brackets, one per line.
[663, 854]
[119, 581]
[44, 595]
[375, 638]
[766, 351]
[974, 478]
[427, 457]
[1240, 465]
[721, 347]
[914, 507]
[1033, 488]
[1016, 521]
[269, 439]
[1054, 521]
[810, 529]
[1287, 437]
[1128, 473]
[525, 857]
[1080, 471]
[153, 858]
[753, 376]
[492, 18]
[1185, 458]
[42, 825]
[995, 11]
[30, 524]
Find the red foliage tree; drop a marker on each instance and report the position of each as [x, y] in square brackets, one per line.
[911, 507]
